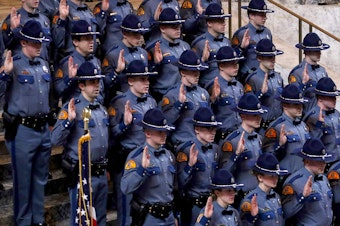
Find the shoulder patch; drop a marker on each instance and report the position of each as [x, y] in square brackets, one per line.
[227, 146]
[235, 41]
[271, 133]
[4, 26]
[165, 101]
[131, 164]
[246, 207]
[288, 190]
[59, 73]
[187, 5]
[55, 19]
[182, 157]
[333, 175]
[140, 11]
[63, 114]
[291, 79]
[247, 88]
[96, 10]
[111, 111]
[105, 62]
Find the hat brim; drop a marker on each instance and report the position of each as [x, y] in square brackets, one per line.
[138, 30]
[257, 10]
[328, 94]
[323, 46]
[199, 67]
[279, 172]
[269, 54]
[165, 22]
[87, 77]
[228, 60]
[215, 16]
[226, 186]
[322, 158]
[206, 124]
[292, 101]
[22, 36]
[249, 112]
[154, 127]
[148, 74]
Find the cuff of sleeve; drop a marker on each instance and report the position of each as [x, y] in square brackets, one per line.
[204, 221]
[67, 124]
[102, 14]
[113, 76]
[301, 199]
[319, 124]
[61, 23]
[123, 127]
[178, 105]
[251, 218]
[141, 171]
[67, 80]
[188, 169]
[3, 75]
[234, 157]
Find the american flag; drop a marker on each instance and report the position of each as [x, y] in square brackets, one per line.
[86, 215]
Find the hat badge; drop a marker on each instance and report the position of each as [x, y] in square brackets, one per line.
[334, 88]
[235, 54]
[323, 151]
[258, 105]
[89, 28]
[164, 122]
[146, 69]
[176, 17]
[222, 11]
[277, 166]
[95, 71]
[273, 48]
[232, 180]
[265, 7]
[212, 118]
[300, 95]
[139, 25]
[319, 42]
[40, 34]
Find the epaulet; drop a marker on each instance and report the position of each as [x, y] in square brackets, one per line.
[77, 101]
[294, 178]
[152, 45]
[233, 135]
[112, 48]
[118, 97]
[250, 75]
[97, 8]
[65, 59]
[199, 38]
[305, 118]
[295, 68]
[240, 29]
[278, 121]
[16, 58]
[138, 152]
[185, 145]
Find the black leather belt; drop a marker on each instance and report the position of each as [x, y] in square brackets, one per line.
[33, 122]
[98, 169]
[160, 210]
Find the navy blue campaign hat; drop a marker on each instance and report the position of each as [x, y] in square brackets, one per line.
[315, 150]
[226, 54]
[249, 104]
[267, 163]
[190, 61]
[32, 32]
[81, 28]
[204, 117]
[265, 47]
[138, 68]
[257, 6]
[326, 87]
[131, 23]
[87, 71]
[214, 11]
[312, 42]
[169, 16]
[154, 119]
[292, 94]
[223, 179]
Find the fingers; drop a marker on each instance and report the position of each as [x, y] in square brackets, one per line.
[254, 199]
[309, 181]
[127, 106]
[13, 12]
[242, 137]
[8, 55]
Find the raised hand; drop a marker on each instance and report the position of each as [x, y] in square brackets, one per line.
[283, 135]
[158, 11]
[15, 19]
[72, 68]
[305, 75]
[209, 208]
[8, 63]
[71, 109]
[127, 113]
[193, 155]
[307, 189]
[206, 51]
[321, 117]
[157, 54]
[181, 96]
[254, 206]
[245, 39]
[264, 87]
[199, 7]
[63, 9]
[121, 62]
[146, 158]
[105, 5]
[240, 145]
[216, 90]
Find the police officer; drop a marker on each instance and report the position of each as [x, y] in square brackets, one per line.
[324, 120]
[17, 19]
[244, 145]
[112, 34]
[229, 92]
[196, 160]
[288, 132]
[220, 211]
[49, 8]
[180, 103]
[333, 176]
[149, 174]
[171, 47]
[307, 196]
[262, 206]
[214, 38]
[27, 79]
[70, 127]
[125, 111]
[71, 11]
[265, 82]
[309, 72]
[253, 32]
[83, 41]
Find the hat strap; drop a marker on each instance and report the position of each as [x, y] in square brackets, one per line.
[290, 99]
[271, 171]
[316, 156]
[30, 37]
[167, 127]
[215, 123]
[326, 92]
[250, 111]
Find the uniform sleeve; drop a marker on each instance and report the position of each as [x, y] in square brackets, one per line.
[7, 33]
[116, 117]
[228, 158]
[59, 31]
[62, 84]
[316, 127]
[184, 170]
[171, 107]
[271, 143]
[202, 220]
[245, 213]
[62, 128]
[292, 200]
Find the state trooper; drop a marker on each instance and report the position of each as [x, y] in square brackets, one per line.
[112, 32]
[265, 82]
[333, 176]
[49, 8]
[127, 49]
[172, 46]
[125, 111]
[309, 72]
[229, 91]
[244, 145]
[307, 196]
[69, 12]
[253, 32]
[324, 120]
[26, 78]
[214, 38]
[288, 132]
[70, 127]
[16, 20]
[197, 160]
[262, 206]
[181, 101]
[220, 210]
[149, 174]
[83, 41]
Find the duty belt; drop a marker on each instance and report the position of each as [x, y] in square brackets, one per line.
[200, 200]
[34, 122]
[160, 210]
[98, 169]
